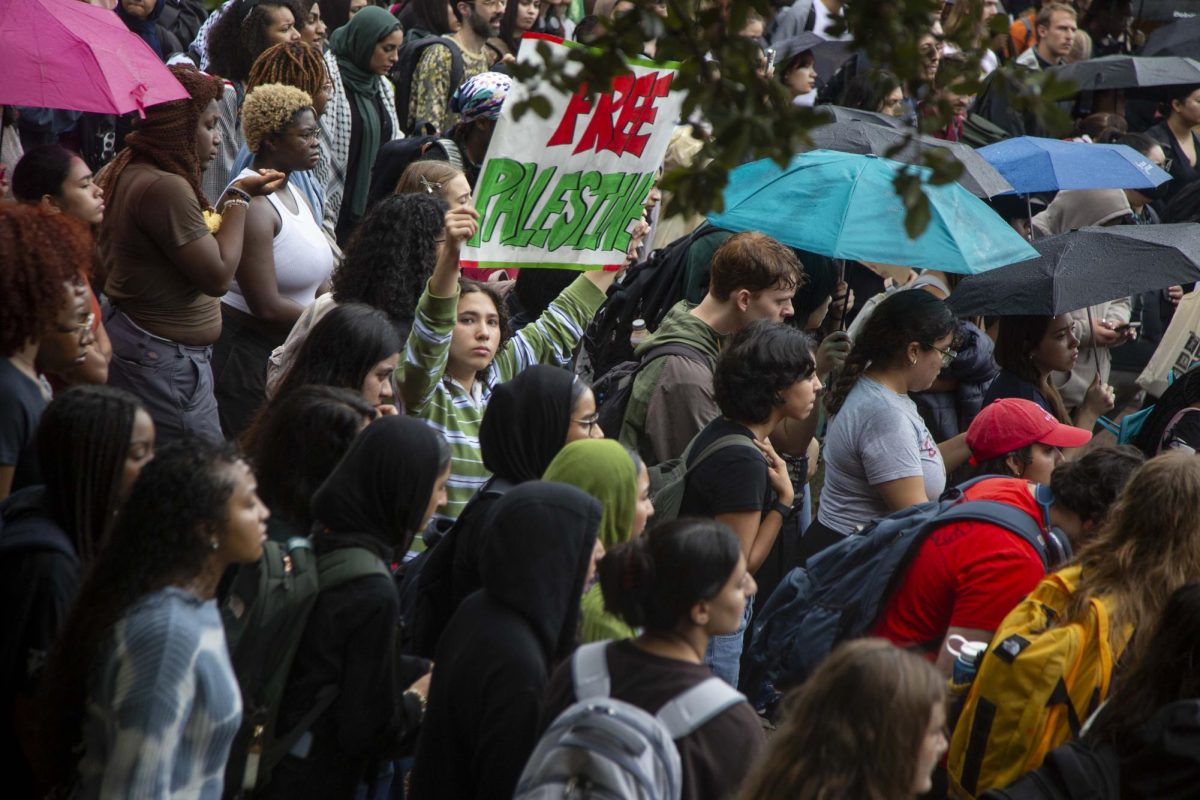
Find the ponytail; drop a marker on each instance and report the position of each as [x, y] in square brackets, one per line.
[653, 581]
[854, 366]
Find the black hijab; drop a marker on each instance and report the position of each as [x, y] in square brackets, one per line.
[536, 558]
[526, 422]
[381, 487]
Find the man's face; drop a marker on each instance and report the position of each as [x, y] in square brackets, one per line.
[1054, 41]
[483, 16]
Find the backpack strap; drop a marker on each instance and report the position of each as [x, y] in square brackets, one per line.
[690, 710]
[453, 155]
[1000, 514]
[732, 440]
[346, 564]
[589, 670]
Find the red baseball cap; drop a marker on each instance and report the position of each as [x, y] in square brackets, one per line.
[1011, 423]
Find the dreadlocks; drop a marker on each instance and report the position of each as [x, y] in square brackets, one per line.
[166, 137]
[293, 64]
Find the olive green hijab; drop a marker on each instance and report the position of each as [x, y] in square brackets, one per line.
[605, 470]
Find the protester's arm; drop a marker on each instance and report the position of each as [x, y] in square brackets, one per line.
[7, 471]
[681, 404]
[755, 530]
[954, 452]
[902, 492]
[256, 272]
[1098, 401]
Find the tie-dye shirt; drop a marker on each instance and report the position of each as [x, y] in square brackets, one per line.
[164, 704]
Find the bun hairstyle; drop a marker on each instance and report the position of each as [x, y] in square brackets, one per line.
[653, 581]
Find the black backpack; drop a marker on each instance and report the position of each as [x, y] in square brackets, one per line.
[648, 291]
[404, 71]
[614, 388]
[395, 156]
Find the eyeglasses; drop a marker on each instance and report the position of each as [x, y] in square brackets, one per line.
[490, 3]
[1166, 164]
[588, 424]
[84, 324]
[310, 134]
[948, 355]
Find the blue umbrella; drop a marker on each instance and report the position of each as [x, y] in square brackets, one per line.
[1033, 164]
[843, 205]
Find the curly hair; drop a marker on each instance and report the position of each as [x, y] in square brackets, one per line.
[763, 360]
[166, 137]
[39, 252]
[296, 64]
[82, 444]
[428, 176]
[868, 696]
[1089, 485]
[240, 36]
[391, 255]
[160, 539]
[269, 109]
[902, 318]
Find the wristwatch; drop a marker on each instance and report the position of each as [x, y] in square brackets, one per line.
[785, 511]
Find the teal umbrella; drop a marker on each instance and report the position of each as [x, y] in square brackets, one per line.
[843, 205]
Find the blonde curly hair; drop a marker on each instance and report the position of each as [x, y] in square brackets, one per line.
[269, 109]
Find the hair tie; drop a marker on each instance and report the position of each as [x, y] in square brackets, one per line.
[244, 9]
[428, 186]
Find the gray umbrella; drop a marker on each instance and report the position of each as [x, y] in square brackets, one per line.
[1129, 72]
[1084, 268]
[869, 138]
[847, 114]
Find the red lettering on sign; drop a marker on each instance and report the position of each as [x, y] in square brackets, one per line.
[617, 119]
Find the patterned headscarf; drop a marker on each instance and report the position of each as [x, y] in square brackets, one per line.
[480, 97]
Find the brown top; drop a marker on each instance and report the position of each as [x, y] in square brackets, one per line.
[150, 215]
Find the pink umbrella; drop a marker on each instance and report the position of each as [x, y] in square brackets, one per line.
[70, 55]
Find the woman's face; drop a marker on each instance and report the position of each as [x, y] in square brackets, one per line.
[800, 397]
[930, 361]
[437, 498]
[527, 11]
[322, 97]
[387, 51]
[208, 139]
[801, 80]
[457, 192]
[80, 196]
[893, 104]
[66, 344]
[313, 30]
[933, 747]
[280, 26]
[644, 509]
[1058, 349]
[295, 148]
[245, 530]
[141, 450]
[1043, 458]
[377, 386]
[726, 609]
[355, 7]
[476, 335]
[583, 423]
[1189, 109]
[139, 9]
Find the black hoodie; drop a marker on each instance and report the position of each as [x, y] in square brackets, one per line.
[495, 657]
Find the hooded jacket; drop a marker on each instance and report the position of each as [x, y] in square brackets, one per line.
[672, 397]
[1069, 211]
[494, 660]
[948, 414]
[374, 499]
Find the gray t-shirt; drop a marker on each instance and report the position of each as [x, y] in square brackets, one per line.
[877, 437]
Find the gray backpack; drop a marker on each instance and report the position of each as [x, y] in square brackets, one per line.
[602, 747]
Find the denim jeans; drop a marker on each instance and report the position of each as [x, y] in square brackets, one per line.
[724, 653]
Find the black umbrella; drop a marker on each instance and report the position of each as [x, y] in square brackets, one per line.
[1084, 268]
[847, 114]
[1129, 72]
[1179, 38]
[868, 138]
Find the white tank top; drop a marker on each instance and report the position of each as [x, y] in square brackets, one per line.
[303, 259]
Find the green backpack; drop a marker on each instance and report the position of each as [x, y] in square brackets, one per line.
[265, 614]
[669, 479]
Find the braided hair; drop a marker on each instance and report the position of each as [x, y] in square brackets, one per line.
[166, 137]
[293, 64]
[82, 444]
[901, 319]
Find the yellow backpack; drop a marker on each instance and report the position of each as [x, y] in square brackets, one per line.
[1036, 685]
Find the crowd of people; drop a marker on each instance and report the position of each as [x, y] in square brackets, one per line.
[293, 505]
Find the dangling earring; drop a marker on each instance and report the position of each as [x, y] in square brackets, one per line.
[214, 544]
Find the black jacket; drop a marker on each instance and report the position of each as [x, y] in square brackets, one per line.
[494, 660]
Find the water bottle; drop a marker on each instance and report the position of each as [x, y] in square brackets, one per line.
[638, 333]
[967, 662]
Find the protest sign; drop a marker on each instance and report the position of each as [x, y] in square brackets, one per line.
[565, 191]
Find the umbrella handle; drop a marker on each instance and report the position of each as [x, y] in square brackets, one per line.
[841, 268]
[1095, 351]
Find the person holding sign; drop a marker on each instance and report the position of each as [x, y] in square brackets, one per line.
[459, 350]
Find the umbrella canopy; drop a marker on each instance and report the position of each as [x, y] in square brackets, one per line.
[845, 206]
[1179, 38]
[1083, 268]
[1032, 164]
[1128, 72]
[846, 114]
[70, 55]
[828, 55]
[866, 138]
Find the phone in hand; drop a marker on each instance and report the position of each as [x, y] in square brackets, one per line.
[1127, 327]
